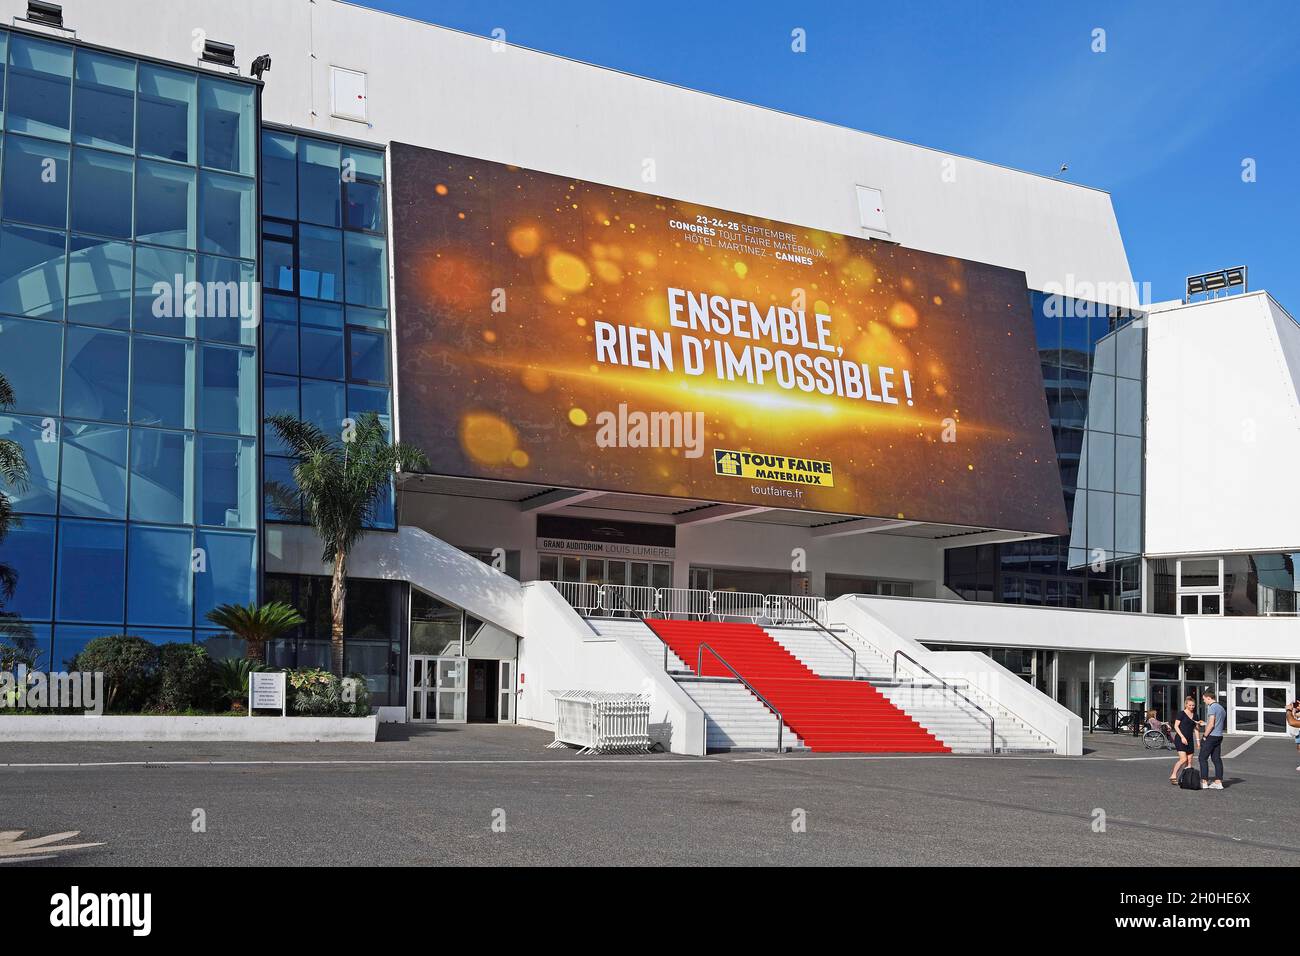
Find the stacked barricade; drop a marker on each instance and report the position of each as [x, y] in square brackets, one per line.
[602, 722]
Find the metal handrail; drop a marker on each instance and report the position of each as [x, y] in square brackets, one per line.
[993, 739]
[640, 617]
[699, 672]
[829, 633]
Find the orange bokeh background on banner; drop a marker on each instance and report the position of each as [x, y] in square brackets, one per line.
[506, 277]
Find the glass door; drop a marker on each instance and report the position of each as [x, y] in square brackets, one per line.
[437, 689]
[1258, 708]
[506, 704]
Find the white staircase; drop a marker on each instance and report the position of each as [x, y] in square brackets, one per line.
[638, 631]
[960, 725]
[826, 657]
[734, 718]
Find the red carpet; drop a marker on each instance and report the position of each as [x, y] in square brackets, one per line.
[829, 715]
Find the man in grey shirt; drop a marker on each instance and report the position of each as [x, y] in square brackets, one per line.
[1216, 719]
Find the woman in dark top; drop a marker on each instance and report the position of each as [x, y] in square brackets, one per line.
[1184, 737]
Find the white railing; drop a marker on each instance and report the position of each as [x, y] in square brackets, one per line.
[620, 600]
[602, 722]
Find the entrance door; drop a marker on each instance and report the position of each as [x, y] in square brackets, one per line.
[506, 689]
[437, 689]
[483, 699]
[1258, 708]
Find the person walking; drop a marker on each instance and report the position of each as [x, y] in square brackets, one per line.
[1293, 723]
[1184, 737]
[1212, 740]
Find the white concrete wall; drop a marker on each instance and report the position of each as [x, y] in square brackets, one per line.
[1223, 428]
[434, 87]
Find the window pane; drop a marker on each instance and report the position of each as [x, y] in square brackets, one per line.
[31, 355]
[92, 569]
[366, 164]
[280, 347]
[231, 571]
[277, 264]
[104, 104]
[367, 271]
[227, 482]
[69, 641]
[363, 206]
[161, 301]
[94, 471]
[162, 474]
[318, 182]
[99, 282]
[323, 405]
[164, 205]
[159, 580]
[1101, 402]
[322, 352]
[279, 490]
[322, 314]
[363, 398]
[320, 263]
[226, 220]
[1101, 461]
[166, 113]
[36, 182]
[279, 397]
[32, 266]
[94, 379]
[40, 87]
[101, 193]
[162, 382]
[279, 175]
[4, 58]
[228, 390]
[371, 318]
[1128, 406]
[41, 494]
[29, 550]
[228, 310]
[226, 125]
[367, 356]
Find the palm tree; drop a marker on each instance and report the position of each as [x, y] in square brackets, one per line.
[339, 480]
[13, 472]
[256, 625]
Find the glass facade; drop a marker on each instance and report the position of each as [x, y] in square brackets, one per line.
[1093, 360]
[325, 297]
[123, 183]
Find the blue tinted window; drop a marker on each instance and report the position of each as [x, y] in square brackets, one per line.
[101, 193]
[280, 496]
[320, 263]
[279, 175]
[363, 206]
[32, 271]
[4, 58]
[94, 471]
[371, 318]
[279, 397]
[162, 474]
[29, 550]
[227, 390]
[99, 282]
[159, 579]
[162, 376]
[366, 165]
[166, 114]
[226, 125]
[227, 482]
[364, 398]
[229, 309]
[227, 225]
[165, 205]
[92, 571]
[31, 356]
[36, 182]
[231, 570]
[104, 104]
[277, 264]
[323, 404]
[367, 356]
[322, 352]
[367, 271]
[94, 376]
[319, 176]
[70, 640]
[280, 347]
[161, 301]
[40, 494]
[1075, 344]
[40, 87]
[323, 314]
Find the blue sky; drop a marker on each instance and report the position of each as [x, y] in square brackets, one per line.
[1163, 119]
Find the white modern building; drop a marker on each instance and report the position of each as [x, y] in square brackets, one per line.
[1127, 530]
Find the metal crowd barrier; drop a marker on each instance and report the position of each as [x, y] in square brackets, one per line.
[602, 722]
[620, 600]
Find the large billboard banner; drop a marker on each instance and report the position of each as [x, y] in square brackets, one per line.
[560, 332]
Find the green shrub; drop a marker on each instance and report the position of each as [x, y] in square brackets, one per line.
[130, 669]
[184, 678]
[229, 681]
[319, 693]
